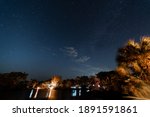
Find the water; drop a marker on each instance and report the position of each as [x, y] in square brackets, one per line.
[67, 94]
[55, 94]
[14, 94]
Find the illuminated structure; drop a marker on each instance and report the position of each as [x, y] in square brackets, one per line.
[45, 91]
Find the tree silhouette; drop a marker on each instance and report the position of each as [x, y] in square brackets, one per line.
[13, 80]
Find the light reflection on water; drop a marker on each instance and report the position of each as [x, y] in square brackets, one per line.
[54, 94]
[30, 96]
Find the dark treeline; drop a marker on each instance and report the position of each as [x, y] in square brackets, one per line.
[13, 80]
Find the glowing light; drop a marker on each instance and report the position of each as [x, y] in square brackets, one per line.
[31, 93]
[74, 87]
[53, 84]
[50, 92]
[37, 90]
[88, 90]
[74, 92]
[80, 92]
[49, 86]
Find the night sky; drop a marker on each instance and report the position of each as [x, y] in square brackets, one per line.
[67, 37]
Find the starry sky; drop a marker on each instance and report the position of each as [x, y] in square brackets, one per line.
[67, 37]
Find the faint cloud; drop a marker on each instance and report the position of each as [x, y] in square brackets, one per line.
[83, 59]
[70, 51]
[74, 54]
